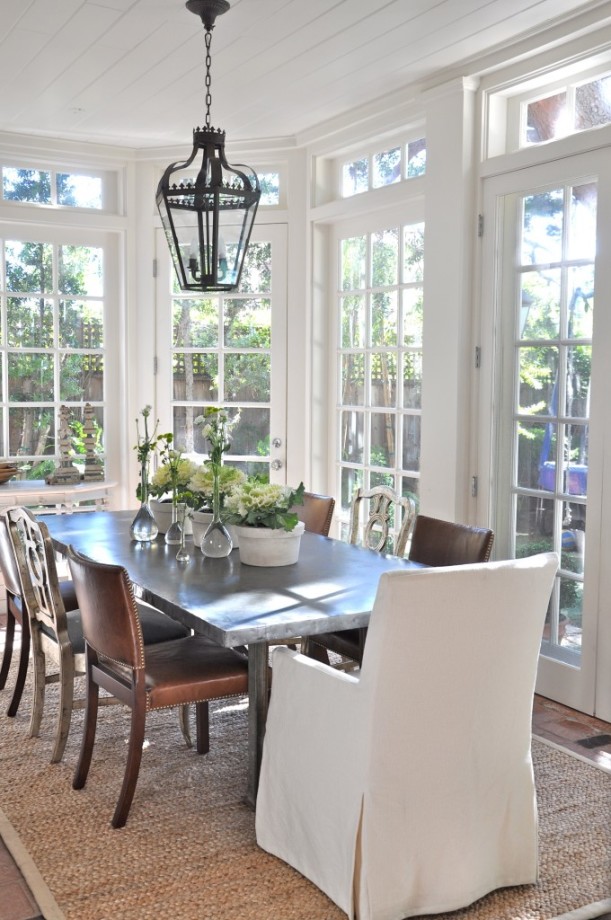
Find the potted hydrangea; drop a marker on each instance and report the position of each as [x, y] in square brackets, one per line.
[268, 527]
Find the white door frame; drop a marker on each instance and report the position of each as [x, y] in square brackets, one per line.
[587, 687]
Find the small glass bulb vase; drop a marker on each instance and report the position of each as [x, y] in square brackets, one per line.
[183, 555]
[216, 542]
[174, 533]
[144, 527]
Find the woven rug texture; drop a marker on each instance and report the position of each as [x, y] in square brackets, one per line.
[188, 851]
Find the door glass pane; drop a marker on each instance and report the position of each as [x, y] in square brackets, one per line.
[384, 257]
[248, 323]
[353, 379]
[384, 319]
[352, 437]
[553, 357]
[540, 303]
[352, 310]
[195, 322]
[354, 263]
[543, 220]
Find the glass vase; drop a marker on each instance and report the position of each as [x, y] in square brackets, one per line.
[216, 541]
[183, 555]
[173, 535]
[144, 527]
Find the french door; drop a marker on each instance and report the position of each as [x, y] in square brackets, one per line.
[545, 380]
[228, 350]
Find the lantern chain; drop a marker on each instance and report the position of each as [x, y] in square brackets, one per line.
[208, 78]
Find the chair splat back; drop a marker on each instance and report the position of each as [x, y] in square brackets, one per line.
[109, 612]
[436, 542]
[384, 504]
[316, 512]
[39, 581]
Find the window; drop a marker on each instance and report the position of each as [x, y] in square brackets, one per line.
[221, 355]
[270, 188]
[383, 167]
[52, 348]
[577, 107]
[60, 189]
[380, 314]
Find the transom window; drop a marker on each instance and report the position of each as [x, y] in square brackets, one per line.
[54, 188]
[385, 167]
[575, 107]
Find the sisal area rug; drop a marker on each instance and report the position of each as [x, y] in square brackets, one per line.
[188, 851]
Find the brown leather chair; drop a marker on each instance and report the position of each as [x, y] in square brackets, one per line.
[56, 633]
[436, 542]
[316, 512]
[15, 615]
[382, 504]
[188, 670]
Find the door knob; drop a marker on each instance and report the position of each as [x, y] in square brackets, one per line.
[276, 442]
[276, 464]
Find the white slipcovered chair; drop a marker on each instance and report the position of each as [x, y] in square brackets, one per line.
[407, 788]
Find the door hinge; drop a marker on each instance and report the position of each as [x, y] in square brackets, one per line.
[474, 486]
[155, 365]
[478, 356]
[480, 224]
[154, 268]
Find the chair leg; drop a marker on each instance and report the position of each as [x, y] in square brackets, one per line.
[38, 700]
[317, 652]
[132, 768]
[88, 739]
[22, 671]
[202, 723]
[66, 703]
[183, 721]
[8, 648]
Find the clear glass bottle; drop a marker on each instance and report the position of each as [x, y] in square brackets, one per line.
[183, 555]
[216, 541]
[144, 527]
[173, 535]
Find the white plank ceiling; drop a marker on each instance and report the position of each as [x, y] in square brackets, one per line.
[132, 71]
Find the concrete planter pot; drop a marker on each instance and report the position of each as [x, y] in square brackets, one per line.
[266, 547]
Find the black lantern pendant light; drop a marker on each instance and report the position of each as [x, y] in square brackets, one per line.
[208, 218]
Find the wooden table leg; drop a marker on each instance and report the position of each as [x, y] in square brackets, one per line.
[258, 692]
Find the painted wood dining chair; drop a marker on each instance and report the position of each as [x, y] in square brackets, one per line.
[383, 509]
[56, 633]
[177, 673]
[17, 616]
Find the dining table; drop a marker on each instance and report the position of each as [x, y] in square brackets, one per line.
[331, 587]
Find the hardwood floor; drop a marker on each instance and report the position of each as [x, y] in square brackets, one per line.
[585, 735]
